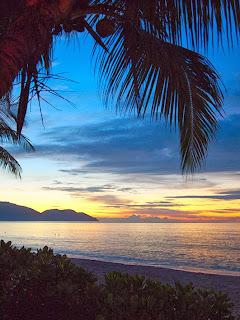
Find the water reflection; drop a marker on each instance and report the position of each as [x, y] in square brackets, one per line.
[188, 246]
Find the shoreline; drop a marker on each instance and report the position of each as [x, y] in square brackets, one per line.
[226, 283]
[220, 272]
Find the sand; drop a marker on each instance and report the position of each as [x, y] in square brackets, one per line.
[226, 284]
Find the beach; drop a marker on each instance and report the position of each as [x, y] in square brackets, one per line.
[226, 284]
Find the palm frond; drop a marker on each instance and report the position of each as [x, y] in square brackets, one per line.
[199, 21]
[26, 44]
[8, 162]
[175, 83]
[8, 135]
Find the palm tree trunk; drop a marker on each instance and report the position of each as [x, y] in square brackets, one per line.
[27, 36]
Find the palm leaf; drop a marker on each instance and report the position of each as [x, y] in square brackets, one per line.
[196, 20]
[201, 19]
[8, 162]
[8, 135]
[176, 83]
[27, 43]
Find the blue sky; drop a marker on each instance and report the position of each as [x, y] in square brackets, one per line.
[89, 158]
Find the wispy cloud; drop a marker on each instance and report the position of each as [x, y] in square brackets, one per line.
[82, 190]
[109, 199]
[147, 206]
[127, 146]
[226, 195]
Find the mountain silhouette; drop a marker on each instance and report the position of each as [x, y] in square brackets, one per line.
[12, 212]
[66, 215]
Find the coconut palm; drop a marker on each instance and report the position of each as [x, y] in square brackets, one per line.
[139, 53]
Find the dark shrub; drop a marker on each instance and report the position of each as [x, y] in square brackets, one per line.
[44, 286]
[41, 286]
[130, 298]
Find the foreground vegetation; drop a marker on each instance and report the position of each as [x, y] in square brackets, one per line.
[46, 286]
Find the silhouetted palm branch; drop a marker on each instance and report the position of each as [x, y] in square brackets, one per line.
[8, 162]
[8, 135]
[183, 90]
[146, 67]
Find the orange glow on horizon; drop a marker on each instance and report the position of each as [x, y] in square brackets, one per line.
[185, 204]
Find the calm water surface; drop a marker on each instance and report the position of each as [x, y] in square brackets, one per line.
[207, 247]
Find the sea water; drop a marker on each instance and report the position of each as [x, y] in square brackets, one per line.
[197, 247]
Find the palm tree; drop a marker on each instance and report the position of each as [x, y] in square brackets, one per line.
[139, 55]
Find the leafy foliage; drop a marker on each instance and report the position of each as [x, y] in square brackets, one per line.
[139, 298]
[46, 286]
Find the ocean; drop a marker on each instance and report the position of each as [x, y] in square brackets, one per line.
[196, 247]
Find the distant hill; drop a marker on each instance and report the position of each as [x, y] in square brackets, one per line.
[66, 215]
[13, 212]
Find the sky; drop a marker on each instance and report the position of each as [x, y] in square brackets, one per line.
[93, 160]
